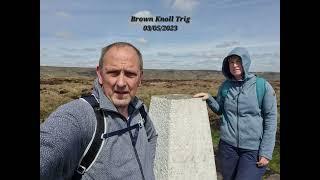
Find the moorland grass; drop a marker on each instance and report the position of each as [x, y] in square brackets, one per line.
[57, 91]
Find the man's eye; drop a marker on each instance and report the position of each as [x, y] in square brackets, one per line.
[112, 73]
[131, 74]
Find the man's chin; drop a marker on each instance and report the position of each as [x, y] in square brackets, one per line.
[121, 102]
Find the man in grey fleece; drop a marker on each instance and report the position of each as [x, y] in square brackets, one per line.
[66, 133]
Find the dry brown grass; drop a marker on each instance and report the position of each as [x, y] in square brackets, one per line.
[59, 85]
[55, 91]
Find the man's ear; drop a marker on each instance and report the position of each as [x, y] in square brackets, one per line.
[141, 78]
[99, 71]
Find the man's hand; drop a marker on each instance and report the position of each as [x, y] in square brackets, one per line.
[204, 96]
[262, 161]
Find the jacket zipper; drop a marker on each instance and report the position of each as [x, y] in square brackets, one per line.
[238, 121]
[238, 138]
[134, 147]
[137, 157]
[131, 137]
[238, 133]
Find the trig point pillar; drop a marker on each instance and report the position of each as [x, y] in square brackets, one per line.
[184, 147]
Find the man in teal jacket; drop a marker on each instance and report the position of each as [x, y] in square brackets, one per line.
[247, 133]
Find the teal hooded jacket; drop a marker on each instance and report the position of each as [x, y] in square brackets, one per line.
[243, 124]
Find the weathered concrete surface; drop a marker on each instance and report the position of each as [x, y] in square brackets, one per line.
[184, 149]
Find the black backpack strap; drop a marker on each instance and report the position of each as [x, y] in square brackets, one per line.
[136, 126]
[91, 99]
[143, 114]
[120, 132]
[95, 144]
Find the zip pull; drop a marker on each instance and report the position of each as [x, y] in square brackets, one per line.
[140, 123]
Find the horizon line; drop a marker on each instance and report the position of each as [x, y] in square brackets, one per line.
[161, 69]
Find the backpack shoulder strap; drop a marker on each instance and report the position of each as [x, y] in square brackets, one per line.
[143, 114]
[225, 89]
[93, 149]
[260, 88]
[137, 126]
[91, 99]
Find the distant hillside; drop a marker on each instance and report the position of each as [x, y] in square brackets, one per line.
[149, 74]
[52, 71]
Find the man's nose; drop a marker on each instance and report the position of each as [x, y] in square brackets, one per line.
[121, 80]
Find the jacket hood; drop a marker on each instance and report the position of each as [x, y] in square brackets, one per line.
[245, 61]
[106, 103]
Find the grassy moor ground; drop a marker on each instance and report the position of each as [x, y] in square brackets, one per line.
[60, 85]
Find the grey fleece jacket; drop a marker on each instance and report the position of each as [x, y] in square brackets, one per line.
[243, 123]
[66, 133]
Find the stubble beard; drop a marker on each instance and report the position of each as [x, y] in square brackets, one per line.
[123, 102]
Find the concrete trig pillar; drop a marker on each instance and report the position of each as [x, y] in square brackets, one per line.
[184, 147]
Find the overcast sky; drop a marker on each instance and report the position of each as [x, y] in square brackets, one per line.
[72, 33]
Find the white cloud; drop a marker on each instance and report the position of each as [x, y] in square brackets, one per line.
[43, 54]
[227, 44]
[202, 55]
[63, 34]
[185, 5]
[63, 14]
[210, 55]
[232, 3]
[266, 55]
[90, 49]
[145, 18]
[164, 54]
[144, 13]
[195, 54]
[72, 56]
[142, 40]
